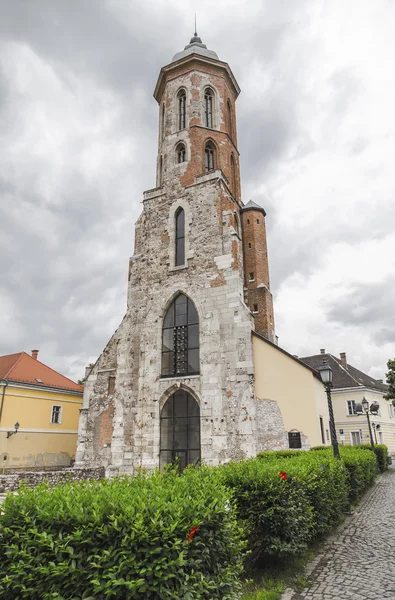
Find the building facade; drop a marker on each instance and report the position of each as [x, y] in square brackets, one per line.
[45, 407]
[176, 380]
[350, 386]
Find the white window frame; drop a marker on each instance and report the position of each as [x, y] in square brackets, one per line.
[391, 410]
[60, 414]
[350, 414]
[358, 431]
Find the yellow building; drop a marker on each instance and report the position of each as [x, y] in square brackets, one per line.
[293, 394]
[39, 412]
[350, 385]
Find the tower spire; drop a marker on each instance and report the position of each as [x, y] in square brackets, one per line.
[195, 27]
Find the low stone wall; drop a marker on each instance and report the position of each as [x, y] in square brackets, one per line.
[12, 482]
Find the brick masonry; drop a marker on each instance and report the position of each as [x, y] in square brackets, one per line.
[213, 277]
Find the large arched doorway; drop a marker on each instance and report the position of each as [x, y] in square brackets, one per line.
[180, 430]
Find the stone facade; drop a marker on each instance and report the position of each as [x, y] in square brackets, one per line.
[121, 430]
[11, 482]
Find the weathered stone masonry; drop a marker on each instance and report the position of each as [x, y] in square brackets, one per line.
[121, 430]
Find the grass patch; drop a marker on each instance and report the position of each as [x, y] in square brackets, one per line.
[269, 581]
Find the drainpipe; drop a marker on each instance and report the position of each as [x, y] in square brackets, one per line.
[4, 383]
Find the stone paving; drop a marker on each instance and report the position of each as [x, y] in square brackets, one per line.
[358, 562]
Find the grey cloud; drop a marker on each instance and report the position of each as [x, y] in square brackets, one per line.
[368, 306]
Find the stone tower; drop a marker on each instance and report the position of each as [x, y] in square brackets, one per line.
[176, 380]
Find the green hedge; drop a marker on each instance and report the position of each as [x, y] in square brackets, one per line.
[284, 514]
[123, 538]
[381, 452]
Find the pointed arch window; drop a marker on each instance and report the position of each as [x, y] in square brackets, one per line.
[209, 156]
[180, 430]
[182, 102]
[180, 153]
[180, 339]
[163, 122]
[233, 174]
[208, 107]
[180, 237]
[230, 119]
[160, 171]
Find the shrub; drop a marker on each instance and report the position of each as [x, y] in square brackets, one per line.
[279, 454]
[123, 538]
[284, 515]
[381, 452]
[362, 470]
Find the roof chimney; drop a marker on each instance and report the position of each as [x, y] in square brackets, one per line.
[343, 360]
[35, 354]
[322, 350]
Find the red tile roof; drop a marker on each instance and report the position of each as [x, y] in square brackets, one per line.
[21, 367]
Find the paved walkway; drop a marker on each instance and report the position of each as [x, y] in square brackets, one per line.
[358, 562]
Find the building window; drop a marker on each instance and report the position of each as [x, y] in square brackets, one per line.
[230, 120]
[182, 100]
[257, 221]
[252, 276]
[209, 157]
[111, 385]
[233, 173]
[356, 438]
[248, 221]
[322, 430]
[255, 308]
[163, 122]
[327, 434]
[208, 107]
[391, 410]
[180, 153]
[294, 439]
[180, 430]
[160, 171]
[351, 407]
[180, 237]
[249, 245]
[180, 341]
[56, 416]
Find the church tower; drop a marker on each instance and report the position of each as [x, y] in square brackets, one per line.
[176, 380]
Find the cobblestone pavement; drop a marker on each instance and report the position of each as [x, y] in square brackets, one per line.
[358, 562]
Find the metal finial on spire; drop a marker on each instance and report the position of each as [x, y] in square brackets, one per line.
[195, 26]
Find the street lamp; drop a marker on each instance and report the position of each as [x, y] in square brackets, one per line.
[373, 409]
[10, 433]
[326, 376]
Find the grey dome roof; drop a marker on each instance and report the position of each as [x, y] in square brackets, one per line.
[195, 46]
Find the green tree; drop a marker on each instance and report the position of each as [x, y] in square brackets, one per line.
[390, 395]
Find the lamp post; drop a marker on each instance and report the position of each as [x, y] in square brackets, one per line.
[363, 407]
[10, 433]
[326, 376]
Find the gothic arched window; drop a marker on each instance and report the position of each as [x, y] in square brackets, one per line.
[209, 157]
[180, 237]
[180, 340]
[182, 101]
[163, 122]
[230, 120]
[160, 171]
[233, 173]
[180, 153]
[208, 107]
[180, 430]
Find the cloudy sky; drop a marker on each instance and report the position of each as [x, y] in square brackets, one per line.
[78, 140]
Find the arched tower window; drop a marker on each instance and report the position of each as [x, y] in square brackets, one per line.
[180, 430]
[209, 157]
[163, 122]
[180, 237]
[180, 153]
[182, 101]
[230, 119]
[208, 107]
[233, 174]
[180, 341]
[160, 171]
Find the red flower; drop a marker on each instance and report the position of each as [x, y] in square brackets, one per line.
[192, 533]
[283, 475]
